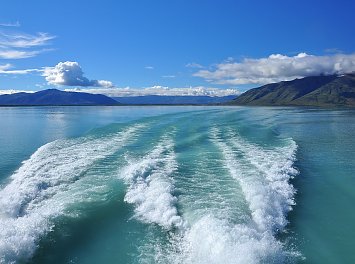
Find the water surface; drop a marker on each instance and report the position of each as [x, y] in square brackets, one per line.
[176, 185]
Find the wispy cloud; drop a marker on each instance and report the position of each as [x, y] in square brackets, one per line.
[12, 91]
[194, 65]
[277, 68]
[333, 50]
[5, 66]
[19, 54]
[70, 73]
[160, 90]
[149, 67]
[7, 69]
[168, 76]
[18, 45]
[15, 24]
[21, 40]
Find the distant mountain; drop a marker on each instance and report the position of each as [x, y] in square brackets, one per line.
[331, 90]
[55, 97]
[172, 100]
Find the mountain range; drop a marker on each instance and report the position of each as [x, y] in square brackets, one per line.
[55, 97]
[324, 91]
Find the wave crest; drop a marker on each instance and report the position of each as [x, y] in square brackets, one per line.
[151, 186]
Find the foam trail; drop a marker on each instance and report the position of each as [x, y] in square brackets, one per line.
[273, 169]
[213, 237]
[151, 186]
[264, 178]
[39, 191]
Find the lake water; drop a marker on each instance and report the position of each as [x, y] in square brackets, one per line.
[177, 185]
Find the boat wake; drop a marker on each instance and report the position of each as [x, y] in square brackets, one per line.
[263, 175]
[233, 198]
[46, 184]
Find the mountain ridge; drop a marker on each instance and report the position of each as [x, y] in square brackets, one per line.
[55, 97]
[323, 90]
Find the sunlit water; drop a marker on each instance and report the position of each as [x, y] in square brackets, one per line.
[176, 185]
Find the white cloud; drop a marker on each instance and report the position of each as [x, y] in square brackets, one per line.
[168, 76]
[333, 50]
[154, 90]
[71, 74]
[194, 65]
[161, 90]
[6, 69]
[277, 68]
[21, 40]
[18, 54]
[149, 67]
[11, 91]
[15, 24]
[14, 45]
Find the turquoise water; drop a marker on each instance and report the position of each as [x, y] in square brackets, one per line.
[176, 185]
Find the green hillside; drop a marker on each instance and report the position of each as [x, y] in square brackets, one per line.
[328, 90]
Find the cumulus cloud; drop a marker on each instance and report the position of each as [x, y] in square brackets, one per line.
[277, 68]
[161, 90]
[71, 74]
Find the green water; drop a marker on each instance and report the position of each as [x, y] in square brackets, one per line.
[176, 185]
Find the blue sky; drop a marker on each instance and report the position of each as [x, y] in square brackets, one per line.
[173, 43]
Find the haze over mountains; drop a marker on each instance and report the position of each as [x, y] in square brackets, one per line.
[331, 90]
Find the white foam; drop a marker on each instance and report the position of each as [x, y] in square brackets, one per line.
[264, 176]
[52, 179]
[217, 241]
[39, 190]
[274, 168]
[151, 186]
